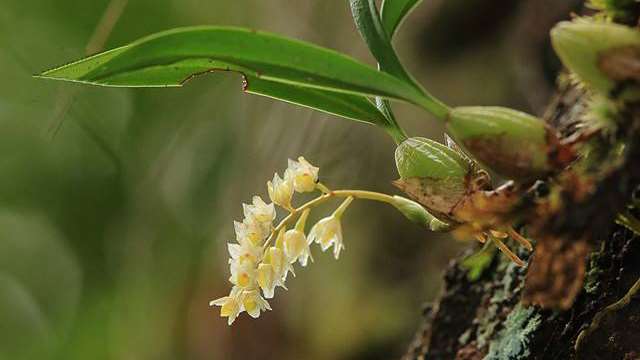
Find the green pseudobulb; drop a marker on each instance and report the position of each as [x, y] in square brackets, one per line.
[432, 174]
[601, 54]
[511, 143]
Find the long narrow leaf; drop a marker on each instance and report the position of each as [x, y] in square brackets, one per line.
[172, 57]
[393, 12]
[367, 19]
[353, 107]
[346, 105]
[365, 15]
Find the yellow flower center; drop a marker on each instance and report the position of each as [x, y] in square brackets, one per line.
[247, 257]
[328, 235]
[250, 304]
[244, 279]
[305, 182]
[228, 308]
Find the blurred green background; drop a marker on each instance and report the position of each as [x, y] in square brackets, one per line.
[116, 204]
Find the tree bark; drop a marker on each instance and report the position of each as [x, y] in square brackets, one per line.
[486, 319]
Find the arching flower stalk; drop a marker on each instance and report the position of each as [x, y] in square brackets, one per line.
[264, 254]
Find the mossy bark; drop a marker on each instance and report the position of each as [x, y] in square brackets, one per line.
[483, 319]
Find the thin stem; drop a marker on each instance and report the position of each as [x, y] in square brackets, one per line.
[340, 210]
[302, 220]
[482, 238]
[320, 186]
[104, 28]
[392, 128]
[358, 194]
[597, 319]
[434, 106]
[101, 32]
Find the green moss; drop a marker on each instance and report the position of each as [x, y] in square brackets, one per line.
[513, 340]
[591, 282]
[477, 263]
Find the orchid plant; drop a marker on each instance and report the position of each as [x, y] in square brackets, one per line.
[449, 182]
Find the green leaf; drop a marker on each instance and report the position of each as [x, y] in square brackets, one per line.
[365, 15]
[367, 20]
[173, 57]
[393, 12]
[477, 263]
[352, 107]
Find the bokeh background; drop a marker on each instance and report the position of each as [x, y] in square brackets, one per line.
[116, 204]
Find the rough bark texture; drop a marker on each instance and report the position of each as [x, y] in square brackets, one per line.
[485, 319]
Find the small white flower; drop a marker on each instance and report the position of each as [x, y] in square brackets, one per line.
[266, 280]
[253, 303]
[273, 271]
[231, 306]
[250, 232]
[281, 264]
[260, 211]
[243, 274]
[245, 253]
[303, 175]
[280, 191]
[296, 247]
[327, 232]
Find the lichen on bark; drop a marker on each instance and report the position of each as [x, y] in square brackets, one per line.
[482, 317]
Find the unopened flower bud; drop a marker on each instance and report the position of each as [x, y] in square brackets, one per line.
[266, 279]
[418, 214]
[296, 246]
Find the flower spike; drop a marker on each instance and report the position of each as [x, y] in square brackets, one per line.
[265, 253]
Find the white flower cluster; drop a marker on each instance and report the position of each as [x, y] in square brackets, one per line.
[257, 265]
